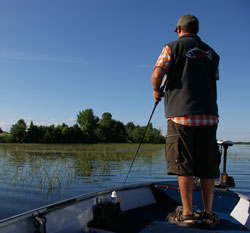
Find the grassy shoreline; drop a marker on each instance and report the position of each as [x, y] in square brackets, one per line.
[80, 147]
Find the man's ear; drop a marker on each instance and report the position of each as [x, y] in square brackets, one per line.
[178, 29]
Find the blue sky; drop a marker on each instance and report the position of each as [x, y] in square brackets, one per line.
[60, 57]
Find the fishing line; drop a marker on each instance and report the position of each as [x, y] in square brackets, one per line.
[139, 146]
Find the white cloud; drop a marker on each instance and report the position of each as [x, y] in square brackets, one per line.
[5, 126]
[27, 119]
[38, 123]
[71, 119]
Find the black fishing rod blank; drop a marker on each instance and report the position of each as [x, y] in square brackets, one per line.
[139, 146]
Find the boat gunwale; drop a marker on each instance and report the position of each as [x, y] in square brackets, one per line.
[64, 203]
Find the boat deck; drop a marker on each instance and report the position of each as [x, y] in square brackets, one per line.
[152, 218]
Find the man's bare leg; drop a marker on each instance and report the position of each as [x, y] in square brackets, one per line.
[186, 184]
[207, 190]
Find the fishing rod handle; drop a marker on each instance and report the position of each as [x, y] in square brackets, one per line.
[162, 93]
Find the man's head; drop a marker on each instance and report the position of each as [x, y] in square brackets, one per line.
[188, 24]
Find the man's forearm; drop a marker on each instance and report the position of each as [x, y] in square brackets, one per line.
[156, 78]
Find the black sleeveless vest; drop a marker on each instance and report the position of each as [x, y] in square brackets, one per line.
[191, 86]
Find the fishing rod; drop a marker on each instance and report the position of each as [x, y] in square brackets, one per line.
[139, 146]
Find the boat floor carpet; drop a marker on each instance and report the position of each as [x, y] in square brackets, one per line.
[133, 221]
[152, 218]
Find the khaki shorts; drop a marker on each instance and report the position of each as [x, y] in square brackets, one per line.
[192, 151]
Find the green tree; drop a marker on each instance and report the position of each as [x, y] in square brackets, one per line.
[106, 120]
[153, 135]
[119, 133]
[88, 124]
[65, 133]
[68, 134]
[51, 134]
[33, 133]
[1, 131]
[138, 133]
[157, 137]
[89, 129]
[19, 131]
[129, 128]
[104, 127]
[76, 135]
[110, 130]
[42, 131]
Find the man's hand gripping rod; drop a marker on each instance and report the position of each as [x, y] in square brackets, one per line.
[156, 103]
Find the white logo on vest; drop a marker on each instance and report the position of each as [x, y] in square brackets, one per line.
[196, 53]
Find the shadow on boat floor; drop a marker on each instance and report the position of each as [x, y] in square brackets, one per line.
[134, 220]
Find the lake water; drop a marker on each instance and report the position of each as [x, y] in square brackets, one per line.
[32, 176]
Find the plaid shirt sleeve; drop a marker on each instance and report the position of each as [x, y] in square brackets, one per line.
[164, 59]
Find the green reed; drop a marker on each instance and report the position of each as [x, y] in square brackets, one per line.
[48, 168]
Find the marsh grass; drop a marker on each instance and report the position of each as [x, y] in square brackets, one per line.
[47, 169]
[100, 147]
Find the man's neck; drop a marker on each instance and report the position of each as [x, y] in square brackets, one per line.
[182, 34]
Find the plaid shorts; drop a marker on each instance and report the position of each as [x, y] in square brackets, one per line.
[192, 151]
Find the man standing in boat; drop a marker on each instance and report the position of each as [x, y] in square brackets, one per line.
[191, 110]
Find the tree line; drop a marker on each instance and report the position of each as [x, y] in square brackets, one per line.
[88, 129]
